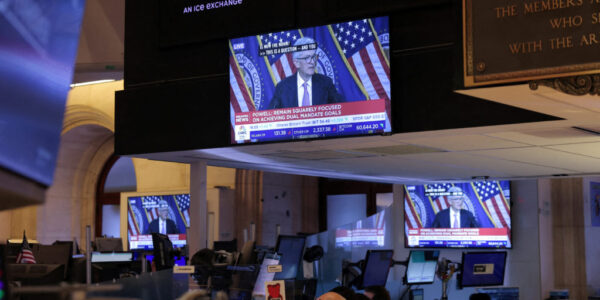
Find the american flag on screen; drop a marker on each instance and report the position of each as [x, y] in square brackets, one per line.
[490, 195]
[142, 210]
[183, 205]
[413, 220]
[439, 202]
[280, 65]
[152, 213]
[133, 227]
[359, 45]
[26, 255]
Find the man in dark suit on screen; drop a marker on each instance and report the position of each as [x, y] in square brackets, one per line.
[455, 216]
[305, 87]
[162, 224]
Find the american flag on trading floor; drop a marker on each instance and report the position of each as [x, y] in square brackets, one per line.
[491, 196]
[26, 255]
[439, 202]
[280, 65]
[413, 220]
[359, 45]
[183, 205]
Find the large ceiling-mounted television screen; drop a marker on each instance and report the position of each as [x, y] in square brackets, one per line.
[38, 46]
[458, 215]
[316, 82]
[164, 214]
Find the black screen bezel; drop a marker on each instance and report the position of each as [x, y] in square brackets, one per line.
[510, 239]
[366, 263]
[233, 143]
[298, 263]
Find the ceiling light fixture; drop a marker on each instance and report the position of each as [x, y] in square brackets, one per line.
[91, 82]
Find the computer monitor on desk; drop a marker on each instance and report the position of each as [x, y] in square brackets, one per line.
[229, 246]
[501, 293]
[98, 257]
[421, 266]
[483, 268]
[291, 249]
[113, 265]
[109, 244]
[376, 268]
[163, 251]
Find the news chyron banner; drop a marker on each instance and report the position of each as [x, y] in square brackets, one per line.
[346, 70]
[484, 218]
[365, 233]
[144, 214]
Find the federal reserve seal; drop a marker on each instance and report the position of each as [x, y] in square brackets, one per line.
[252, 78]
[324, 65]
[420, 208]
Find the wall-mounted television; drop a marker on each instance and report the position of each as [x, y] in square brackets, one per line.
[324, 81]
[164, 214]
[458, 215]
[38, 46]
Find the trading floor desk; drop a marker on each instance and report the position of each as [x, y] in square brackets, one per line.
[151, 286]
[166, 284]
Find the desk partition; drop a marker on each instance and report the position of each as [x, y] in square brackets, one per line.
[350, 242]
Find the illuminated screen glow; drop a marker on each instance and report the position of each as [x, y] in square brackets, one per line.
[143, 219]
[482, 218]
[348, 90]
[421, 267]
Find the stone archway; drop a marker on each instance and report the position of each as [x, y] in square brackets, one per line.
[70, 201]
[87, 142]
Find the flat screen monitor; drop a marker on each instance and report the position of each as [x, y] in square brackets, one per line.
[291, 249]
[163, 257]
[307, 83]
[150, 213]
[483, 268]
[376, 268]
[229, 246]
[98, 257]
[109, 244]
[458, 215]
[421, 266]
[38, 46]
[501, 293]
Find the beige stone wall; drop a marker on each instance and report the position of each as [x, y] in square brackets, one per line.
[160, 176]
